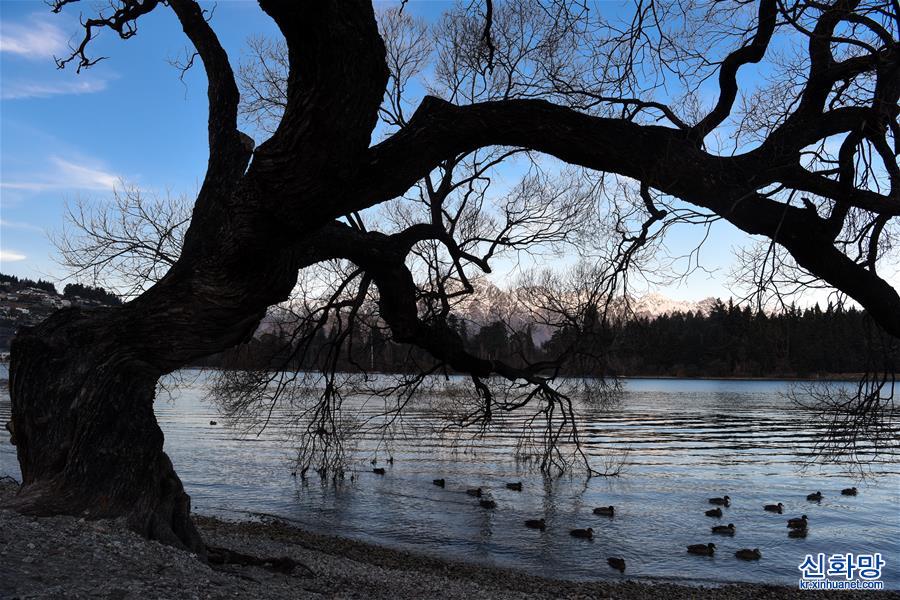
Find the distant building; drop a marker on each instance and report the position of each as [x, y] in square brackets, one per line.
[23, 305]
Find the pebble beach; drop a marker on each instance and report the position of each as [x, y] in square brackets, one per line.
[68, 557]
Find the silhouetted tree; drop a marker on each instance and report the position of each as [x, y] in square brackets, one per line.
[507, 82]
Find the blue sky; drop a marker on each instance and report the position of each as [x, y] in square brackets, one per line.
[65, 136]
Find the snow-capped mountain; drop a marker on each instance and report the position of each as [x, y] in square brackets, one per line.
[656, 304]
[491, 304]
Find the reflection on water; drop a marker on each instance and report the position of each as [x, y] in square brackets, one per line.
[688, 440]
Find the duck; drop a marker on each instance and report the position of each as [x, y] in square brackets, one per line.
[474, 492]
[607, 511]
[798, 533]
[779, 508]
[849, 491]
[798, 523]
[516, 487]
[378, 471]
[616, 562]
[487, 504]
[724, 529]
[536, 524]
[216, 423]
[587, 534]
[814, 497]
[714, 512]
[439, 482]
[748, 554]
[702, 549]
[723, 501]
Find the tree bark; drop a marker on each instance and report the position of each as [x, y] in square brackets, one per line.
[82, 383]
[87, 439]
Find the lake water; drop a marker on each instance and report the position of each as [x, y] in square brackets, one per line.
[688, 440]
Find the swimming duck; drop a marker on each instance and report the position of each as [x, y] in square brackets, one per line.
[213, 422]
[487, 504]
[798, 533]
[702, 549]
[474, 492]
[714, 512]
[536, 524]
[814, 497]
[724, 529]
[849, 491]
[616, 562]
[607, 511]
[779, 508]
[378, 471]
[516, 487]
[587, 534]
[747, 554]
[439, 482]
[797, 523]
[723, 501]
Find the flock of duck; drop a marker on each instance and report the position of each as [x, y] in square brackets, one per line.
[797, 527]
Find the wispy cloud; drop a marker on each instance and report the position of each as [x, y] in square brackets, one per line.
[7, 224]
[85, 177]
[19, 90]
[35, 39]
[67, 175]
[9, 256]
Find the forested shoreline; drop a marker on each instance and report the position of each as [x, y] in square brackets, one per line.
[728, 341]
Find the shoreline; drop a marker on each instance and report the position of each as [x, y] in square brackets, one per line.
[64, 556]
[820, 377]
[830, 377]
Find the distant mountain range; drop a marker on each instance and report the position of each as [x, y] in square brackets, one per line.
[491, 304]
[656, 304]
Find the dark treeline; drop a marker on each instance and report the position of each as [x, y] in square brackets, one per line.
[732, 341]
[71, 291]
[729, 341]
[17, 283]
[89, 292]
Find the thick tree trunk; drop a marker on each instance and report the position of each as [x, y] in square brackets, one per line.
[87, 439]
[83, 382]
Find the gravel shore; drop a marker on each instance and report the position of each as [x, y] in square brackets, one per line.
[66, 557]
